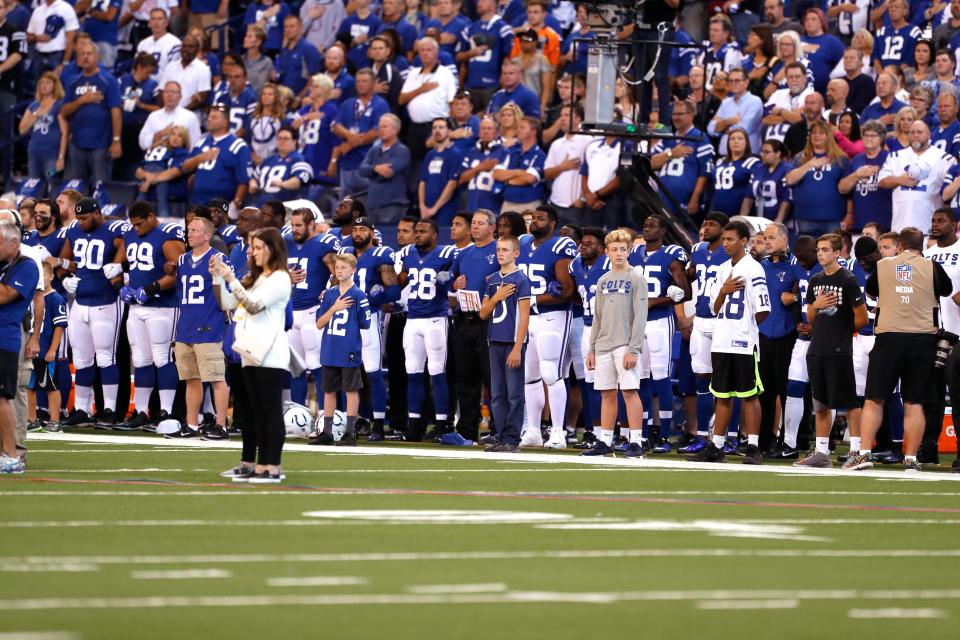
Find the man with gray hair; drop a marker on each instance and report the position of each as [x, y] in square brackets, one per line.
[385, 166]
[19, 275]
[870, 202]
[946, 137]
[426, 94]
[470, 270]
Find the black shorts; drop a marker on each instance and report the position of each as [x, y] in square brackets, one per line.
[9, 370]
[336, 379]
[832, 382]
[903, 358]
[735, 375]
[43, 377]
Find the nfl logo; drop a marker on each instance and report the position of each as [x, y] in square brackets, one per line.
[904, 273]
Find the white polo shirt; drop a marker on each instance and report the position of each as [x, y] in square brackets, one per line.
[38, 23]
[602, 161]
[566, 186]
[432, 104]
[193, 79]
[164, 51]
[161, 119]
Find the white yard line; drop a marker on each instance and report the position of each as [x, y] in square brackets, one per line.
[752, 605]
[485, 587]
[38, 635]
[182, 574]
[317, 581]
[896, 614]
[474, 453]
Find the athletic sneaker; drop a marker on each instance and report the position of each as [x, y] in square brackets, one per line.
[322, 439]
[599, 449]
[491, 446]
[106, 419]
[634, 450]
[215, 432]
[11, 466]
[136, 422]
[185, 432]
[710, 453]
[588, 442]
[266, 478]
[815, 460]
[557, 440]
[489, 440]
[34, 426]
[782, 452]
[570, 434]
[620, 443]
[912, 466]
[78, 418]
[662, 447]
[531, 437]
[858, 462]
[503, 447]
[238, 471]
[696, 445]
[375, 436]
[53, 427]
[752, 455]
[454, 439]
[683, 440]
[346, 441]
[730, 446]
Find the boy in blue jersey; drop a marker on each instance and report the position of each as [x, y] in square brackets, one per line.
[377, 278]
[93, 254]
[476, 171]
[44, 365]
[665, 269]
[506, 304]
[151, 296]
[310, 261]
[343, 314]
[437, 189]
[425, 267]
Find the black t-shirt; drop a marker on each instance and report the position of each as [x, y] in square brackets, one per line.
[12, 40]
[862, 92]
[657, 11]
[833, 328]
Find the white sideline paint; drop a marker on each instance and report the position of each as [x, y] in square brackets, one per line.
[717, 528]
[896, 614]
[485, 587]
[459, 453]
[181, 574]
[58, 567]
[439, 516]
[738, 605]
[508, 597]
[317, 581]
[38, 635]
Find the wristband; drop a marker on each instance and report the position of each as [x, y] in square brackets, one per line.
[65, 264]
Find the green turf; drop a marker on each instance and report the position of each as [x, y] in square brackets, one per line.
[87, 517]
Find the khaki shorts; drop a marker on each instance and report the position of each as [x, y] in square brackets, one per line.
[203, 360]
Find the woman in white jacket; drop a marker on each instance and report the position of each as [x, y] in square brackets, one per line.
[260, 300]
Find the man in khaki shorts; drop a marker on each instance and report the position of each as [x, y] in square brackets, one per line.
[200, 331]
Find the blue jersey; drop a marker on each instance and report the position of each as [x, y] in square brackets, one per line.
[769, 188]
[239, 108]
[348, 87]
[273, 24]
[455, 27]
[579, 64]
[21, 276]
[438, 169]
[706, 263]
[45, 133]
[875, 110]
[428, 298]
[91, 251]
[483, 192]
[803, 276]
[893, 46]
[781, 278]
[91, 126]
[145, 92]
[680, 175]
[406, 31]
[341, 345]
[465, 144]
[947, 139]
[317, 139]
[220, 177]
[294, 66]
[104, 31]
[308, 257]
[228, 233]
[532, 161]
[656, 269]
[200, 318]
[503, 324]
[870, 202]
[816, 196]
[483, 72]
[355, 26]
[523, 97]
[52, 242]
[829, 51]
[294, 165]
[146, 260]
[369, 263]
[731, 184]
[586, 279]
[360, 118]
[346, 239]
[716, 61]
[54, 315]
[952, 173]
[476, 263]
[540, 263]
[161, 158]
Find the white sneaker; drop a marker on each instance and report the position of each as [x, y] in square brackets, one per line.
[531, 438]
[10, 465]
[557, 440]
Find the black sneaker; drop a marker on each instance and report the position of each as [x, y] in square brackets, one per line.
[489, 440]
[216, 432]
[238, 471]
[53, 427]
[322, 439]
[752, 455]
[783, 452]
[106, 419]
[185, 432]
[346, 441]
[491, 446]
[710, 453]
[376, 436]
[588, 442]
[600, 449]
[433, 435]
[78, 418]
[504, 447]
[363, 426]
[208, 419]
[136, 422]
[234, 430]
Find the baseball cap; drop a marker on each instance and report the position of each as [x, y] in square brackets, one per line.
[364, 221]
[87, 205]
[529, 35]
[219, 203]
[864, 247]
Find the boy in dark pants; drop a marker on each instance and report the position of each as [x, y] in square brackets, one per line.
[506, 304]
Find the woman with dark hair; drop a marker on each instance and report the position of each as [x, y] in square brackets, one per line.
[260, 300]
[511, 223]
[771, 195]
[847, 134]
[762, 57]
[818, 204]
[921, 71]
[732, 176]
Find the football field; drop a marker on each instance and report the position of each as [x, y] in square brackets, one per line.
[135, 537]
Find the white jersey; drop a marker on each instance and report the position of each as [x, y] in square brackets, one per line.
[783, 99]
[914, 206]
[164, 51]
[949, 259]
[735, 329]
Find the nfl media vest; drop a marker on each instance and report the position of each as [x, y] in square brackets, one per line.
[907, 302]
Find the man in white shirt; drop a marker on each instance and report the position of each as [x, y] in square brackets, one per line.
[192, 75]
[562, 167]
[161, 44]
[160, 122]
[915, 174]
[427, 93]
[785, 106]
[600, 184]
[50, 33]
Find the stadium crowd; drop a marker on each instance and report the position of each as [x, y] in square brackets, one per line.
[453, 127]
